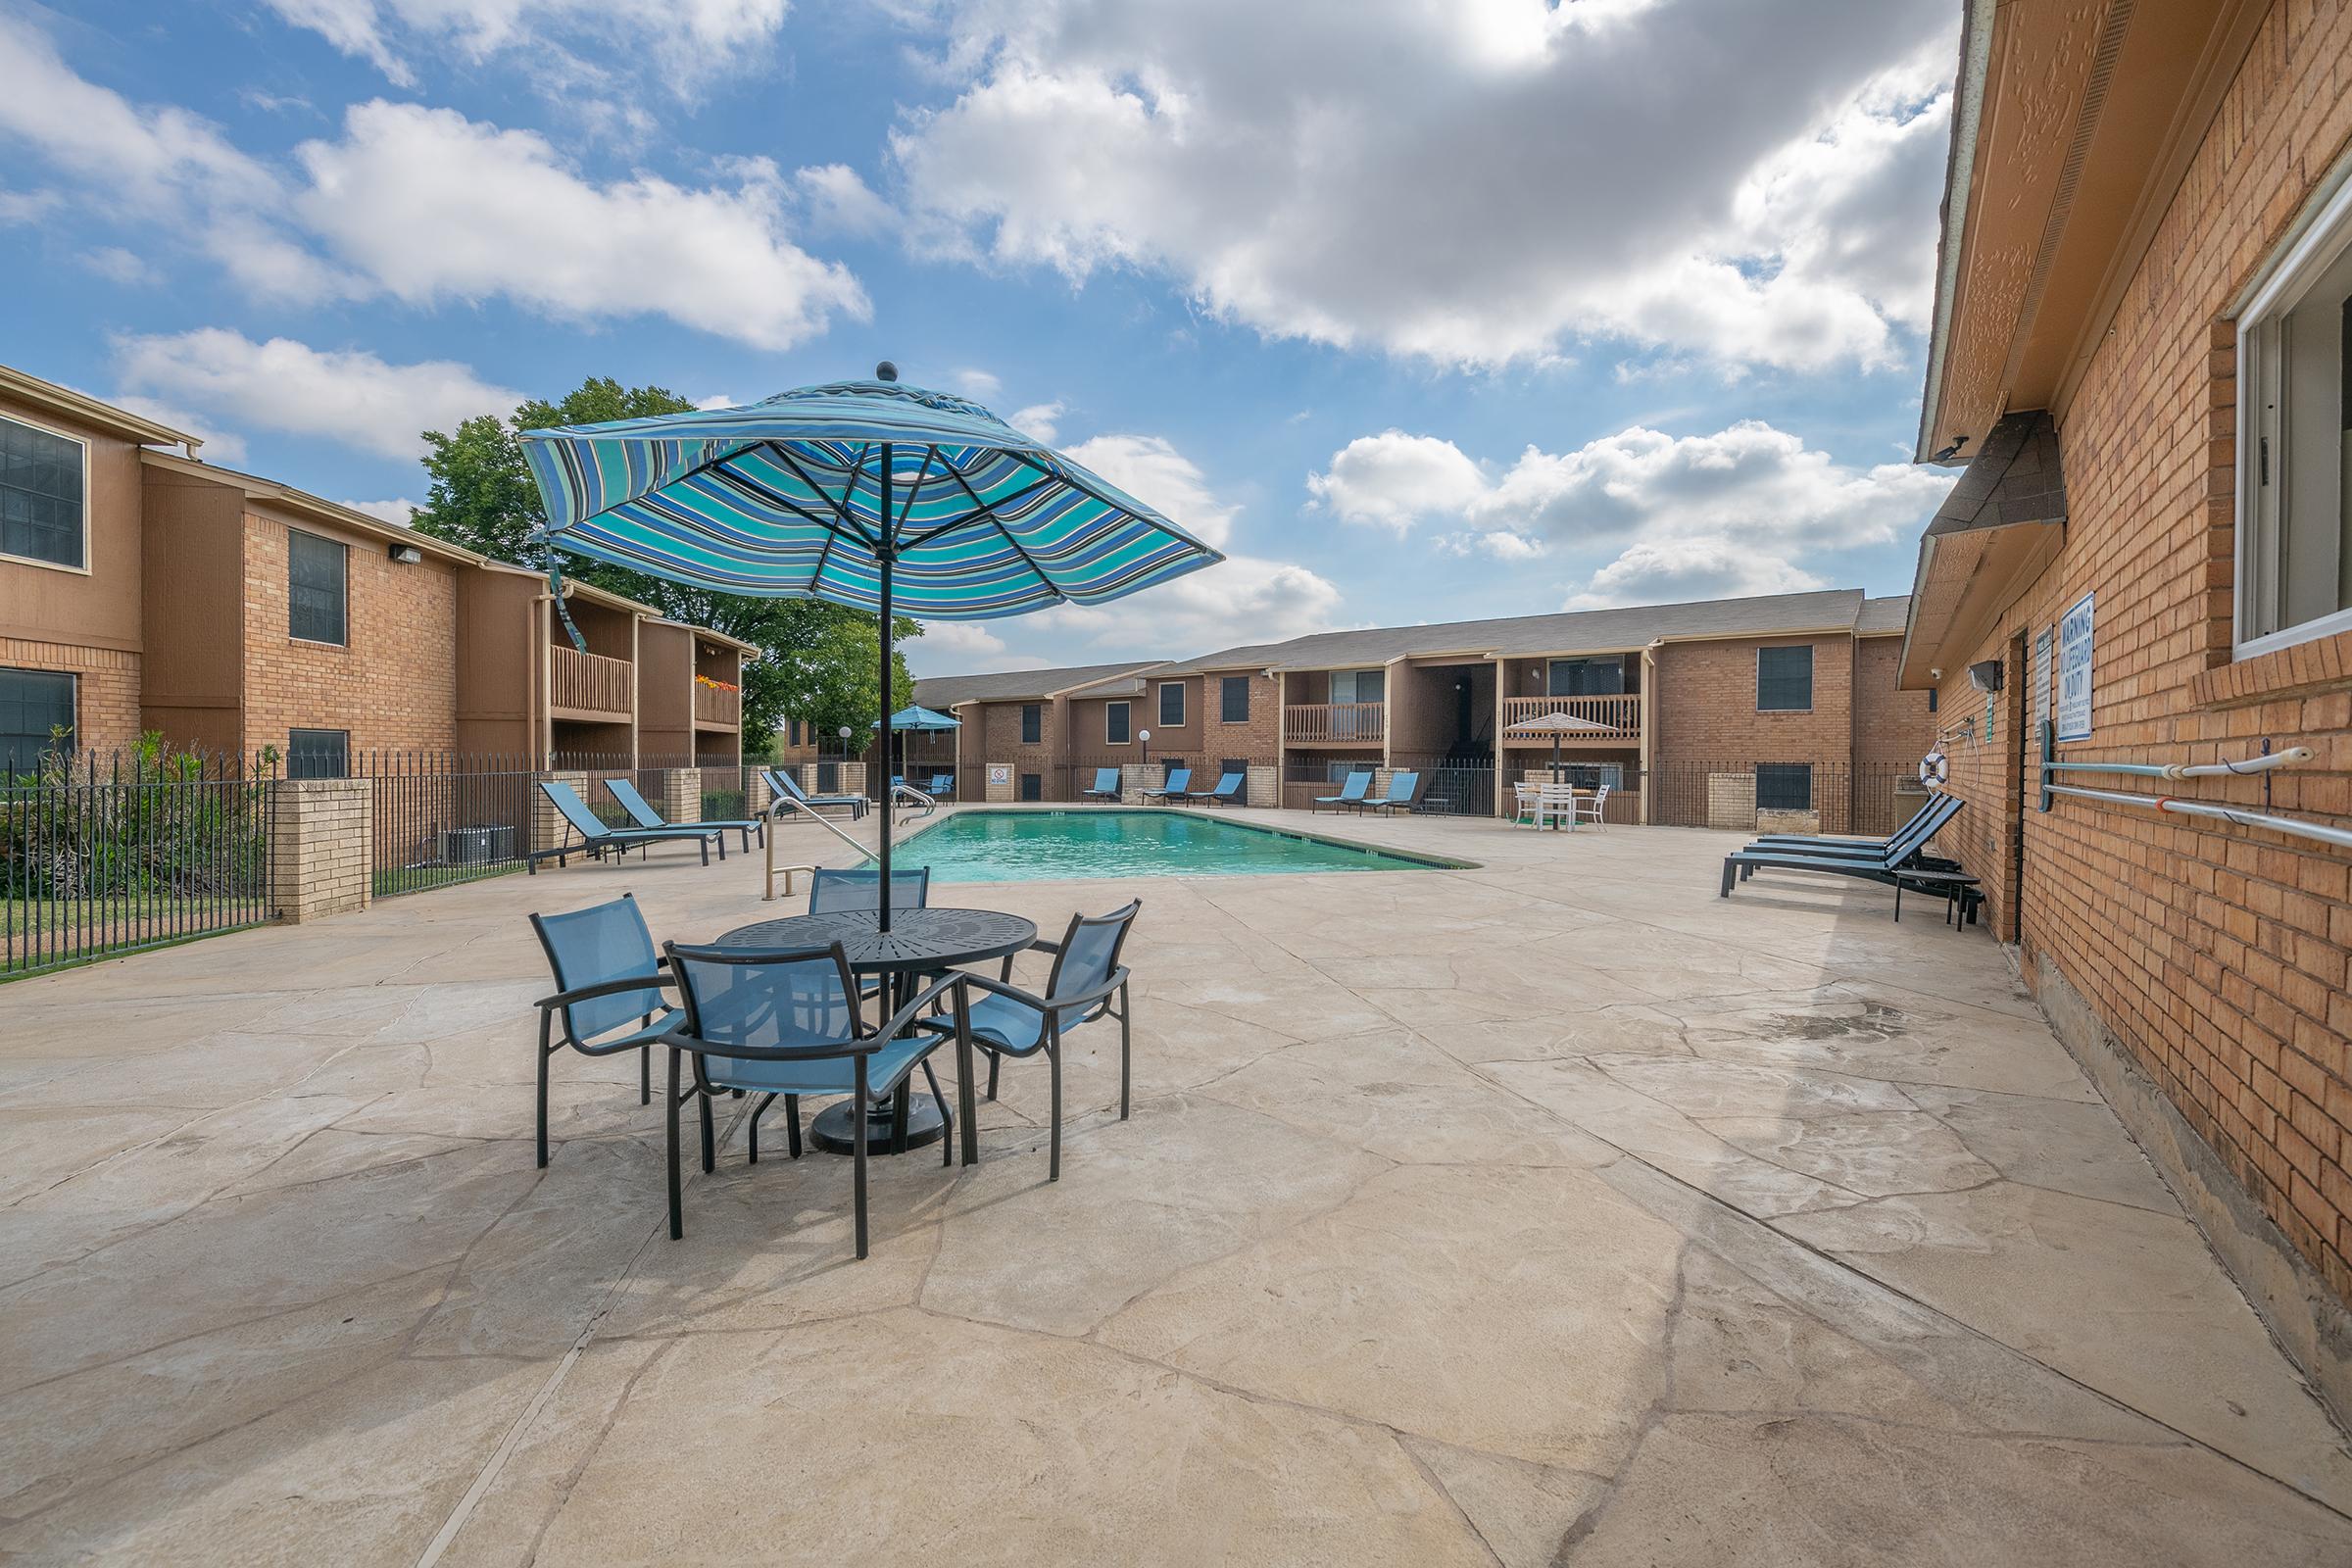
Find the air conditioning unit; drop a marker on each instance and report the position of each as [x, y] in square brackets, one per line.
[476, 845]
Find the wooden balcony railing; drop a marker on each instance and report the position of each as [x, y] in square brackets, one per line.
[713, 705]
[1305, 724]
[591, 683]
[1622, 713]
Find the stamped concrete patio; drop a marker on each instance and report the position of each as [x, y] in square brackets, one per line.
[1550, 1212]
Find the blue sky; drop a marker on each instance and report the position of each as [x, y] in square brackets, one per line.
[1422, 309]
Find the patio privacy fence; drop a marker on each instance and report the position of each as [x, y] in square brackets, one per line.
[102, 855]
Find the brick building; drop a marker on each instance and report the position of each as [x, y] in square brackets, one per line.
[142, 589]
[2139, 349]
[1786, 699]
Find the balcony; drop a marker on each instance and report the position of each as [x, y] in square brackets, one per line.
[1622, 713]
[716, 708]
[1341, 724]
[591, 687]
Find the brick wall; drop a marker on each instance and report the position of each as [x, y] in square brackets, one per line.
[105, 690]
[1892, 728]
[1704, 708]
[1257, 740]
[321, 858]
[393, 684]
[2215, 956]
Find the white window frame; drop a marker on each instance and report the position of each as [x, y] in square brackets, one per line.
[1165, 687]
[1130, 710]
[2277, 288]
[83, 442]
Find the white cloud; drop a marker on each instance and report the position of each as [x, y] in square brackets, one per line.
[1474, 182]
[1677, 570]
[350, 397]
[1150, 469]
[28, 206]
[521, 223]
[1039, 420]
[119, 265]
[590, 45]
[839, 201]
[965, 648]
[220, 445]
[400, 512]
[1394, 481]
[716, 400]
[977, 384]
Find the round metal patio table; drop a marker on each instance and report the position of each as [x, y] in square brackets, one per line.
[920, 942]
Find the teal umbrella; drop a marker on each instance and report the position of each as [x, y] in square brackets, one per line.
[874, 494]
[919, 718]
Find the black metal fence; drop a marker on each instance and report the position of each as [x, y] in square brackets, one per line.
[442, 817]
[101, 855]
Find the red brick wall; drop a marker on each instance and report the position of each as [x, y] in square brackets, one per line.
[1257, 740]
[394, 684]
[1704, 706]
[1892, 728]
[2216, 956]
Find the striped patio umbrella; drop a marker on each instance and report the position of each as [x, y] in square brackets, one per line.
[872, 494]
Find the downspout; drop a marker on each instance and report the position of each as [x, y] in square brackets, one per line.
[1649, 694]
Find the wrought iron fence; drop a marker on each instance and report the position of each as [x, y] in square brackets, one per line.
[441, 817]
[101, 855]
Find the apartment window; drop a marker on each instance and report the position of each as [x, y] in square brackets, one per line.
[1033, 723]
[2294, 502]
[1033, 786]
[1118, 722]
[318, 754]
[1783, 786]
[44, 489]
[1232, 699]
[1784, 679]
[1234, 764]
[1593, 776]
[1586, 677]
[1171, 704]
[315, 596]
[34, 705]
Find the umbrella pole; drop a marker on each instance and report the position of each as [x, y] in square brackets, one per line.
[887, 551]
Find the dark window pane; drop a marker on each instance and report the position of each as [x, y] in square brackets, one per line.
[1033, 723]
[1233, 696]
[318, 754]
[40, 495]
[315, 588]
[1171, 704]
[1783, 786]
[34, 704]
[1118, 723]
[1033, 786]
[1784, 679]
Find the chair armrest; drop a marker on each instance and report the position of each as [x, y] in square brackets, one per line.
[896, 1024]
[1080, 1000]
[609, 988]
[680, 1040]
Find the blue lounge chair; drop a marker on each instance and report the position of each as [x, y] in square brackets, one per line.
[1178, 785]
[780, 782]
[1229, 791]
[940, 785]
[598, 838]
[1403, 787]
[1007, 1022]
[1351, 793]
[642, 813]
[1902, 864]
[788, 1024]
[1107, 785]
[609, 996]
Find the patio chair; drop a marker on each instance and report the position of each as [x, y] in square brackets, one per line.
[782, 783]
[1231, 787]
[833, 890]
[1087, 979]
[1593, 810]
[597, 838]
[1904, 863]
[788, 1024]
[609, 997]
[1107, 785]
[1526, 805]
[1555, 802]
[1403, 787]
[1860, 845]
[1929, 821]
[642, 813]
[1177, 785]
[941, 784]
[1351, 793]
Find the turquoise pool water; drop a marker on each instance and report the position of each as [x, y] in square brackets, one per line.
[1051, 846]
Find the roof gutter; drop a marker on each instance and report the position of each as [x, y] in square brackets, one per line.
[1968, 110]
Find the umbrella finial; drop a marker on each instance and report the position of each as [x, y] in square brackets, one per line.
[886, 372]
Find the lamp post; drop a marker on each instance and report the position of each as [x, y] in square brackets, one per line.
[1143, 739]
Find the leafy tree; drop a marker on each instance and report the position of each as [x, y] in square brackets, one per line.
[817, 660]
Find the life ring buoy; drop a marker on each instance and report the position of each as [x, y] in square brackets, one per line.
[1936, 770]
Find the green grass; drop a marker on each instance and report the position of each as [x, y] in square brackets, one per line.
[424, 878]
[42, 935]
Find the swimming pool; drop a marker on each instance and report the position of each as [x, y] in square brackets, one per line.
[1034, 846]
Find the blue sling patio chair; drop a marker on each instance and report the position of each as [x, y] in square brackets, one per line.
[641, 811]
[1178, 784]
[852, 890]
[941, 784]
[608, 997]
[782, 783]
[1087, 983]
[1902, 864]
[1229, 791]
[598, 838]
[784, 1025]
[1107, 785]
[1403, 787]
[1351, 793]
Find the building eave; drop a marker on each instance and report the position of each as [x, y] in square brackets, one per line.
[80, 407]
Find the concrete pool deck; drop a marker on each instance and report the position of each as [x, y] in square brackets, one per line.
[1550, 1211]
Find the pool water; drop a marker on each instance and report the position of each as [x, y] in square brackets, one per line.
[1034, 846]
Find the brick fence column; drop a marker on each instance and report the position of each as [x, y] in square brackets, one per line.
[1001, 784]
[1137, 777]
[548, 827]
[852, 779]
[322, 846]
[681, 795]
[1266, 785]
[755, 792]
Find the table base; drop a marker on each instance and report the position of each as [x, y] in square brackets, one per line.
[831, 1130]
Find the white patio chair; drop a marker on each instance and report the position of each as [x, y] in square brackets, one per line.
[1590, 810]
[1556, 802]
[1526, 808]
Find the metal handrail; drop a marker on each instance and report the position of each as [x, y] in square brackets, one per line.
[2339, 837]
[2252, 764]
[909, 795]
[777, 806]
[2293, 827]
